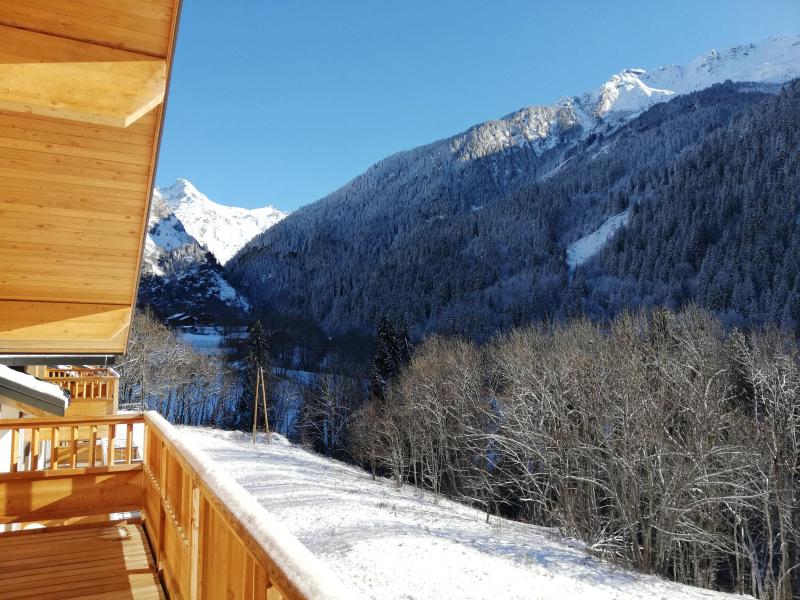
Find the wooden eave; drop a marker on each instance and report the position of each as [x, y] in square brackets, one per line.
[82, 90]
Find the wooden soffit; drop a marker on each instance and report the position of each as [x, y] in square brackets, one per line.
[82, 90]
[62, 78]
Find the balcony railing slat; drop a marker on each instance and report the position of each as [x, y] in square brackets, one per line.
[73, 447]
[14, 450]
[54, 448]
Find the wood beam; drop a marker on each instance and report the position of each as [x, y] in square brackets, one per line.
[61, 78]
[61, 327]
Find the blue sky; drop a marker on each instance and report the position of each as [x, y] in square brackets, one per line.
[283, 101]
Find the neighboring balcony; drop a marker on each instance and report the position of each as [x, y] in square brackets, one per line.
[93, 391]
[119, 507]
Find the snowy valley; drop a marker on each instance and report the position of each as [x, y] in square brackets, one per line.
[654, 206]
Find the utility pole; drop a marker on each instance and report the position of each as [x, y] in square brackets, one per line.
[255, 402]
[261, 390]
[264, 400]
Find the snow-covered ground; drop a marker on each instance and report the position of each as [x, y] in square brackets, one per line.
[205, 340]
[387, 543]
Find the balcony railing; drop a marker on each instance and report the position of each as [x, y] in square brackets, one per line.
[209, 537]
[93, 391]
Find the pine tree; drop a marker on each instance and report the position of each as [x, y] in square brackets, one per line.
[258, 356]
[385, 365]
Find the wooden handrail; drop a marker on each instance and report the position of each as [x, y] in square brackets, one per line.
[192, 508]
[46, 422]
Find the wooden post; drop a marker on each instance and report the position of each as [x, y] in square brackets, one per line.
[195, 557]
[73, 446]
[264, 400]
[93, 449]
[54, 448]
[14, 450]
[112, 431]
[34, 449]
[129, 444]
[255, 403]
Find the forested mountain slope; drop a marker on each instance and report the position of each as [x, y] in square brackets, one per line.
[458, 247]
[721, 226]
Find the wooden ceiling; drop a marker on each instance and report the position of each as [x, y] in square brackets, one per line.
[82, 84]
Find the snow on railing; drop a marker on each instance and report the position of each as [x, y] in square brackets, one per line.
[212, 538]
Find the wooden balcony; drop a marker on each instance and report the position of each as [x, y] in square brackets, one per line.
[135, 510]
[93, 391]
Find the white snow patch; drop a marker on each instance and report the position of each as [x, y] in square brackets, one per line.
[204, 340]
[589, 245]
[390, 543]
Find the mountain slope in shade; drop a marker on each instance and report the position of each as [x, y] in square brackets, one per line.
[222, 230]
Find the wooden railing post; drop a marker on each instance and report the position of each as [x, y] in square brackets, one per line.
[129, 444]
[35, 449]
[14, 450]
[112, 431]
[54, 448]
[93, 449]
[195, 574]
[73, 447]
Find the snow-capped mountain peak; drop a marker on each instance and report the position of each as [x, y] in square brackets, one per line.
[222, 230]
[185, 230]
[627, 94]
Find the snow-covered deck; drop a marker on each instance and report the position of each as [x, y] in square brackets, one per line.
[389, 543]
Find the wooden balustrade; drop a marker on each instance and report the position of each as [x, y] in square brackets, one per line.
[52, 444]
[205, 550]
[93, 391]
[209, 538]
[69, 468]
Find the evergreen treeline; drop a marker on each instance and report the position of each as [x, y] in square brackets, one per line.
[475, 246]
[658, 439]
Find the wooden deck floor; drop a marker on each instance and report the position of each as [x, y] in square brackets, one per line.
[109, 561]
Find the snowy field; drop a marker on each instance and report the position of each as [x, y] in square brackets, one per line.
[389, 543]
